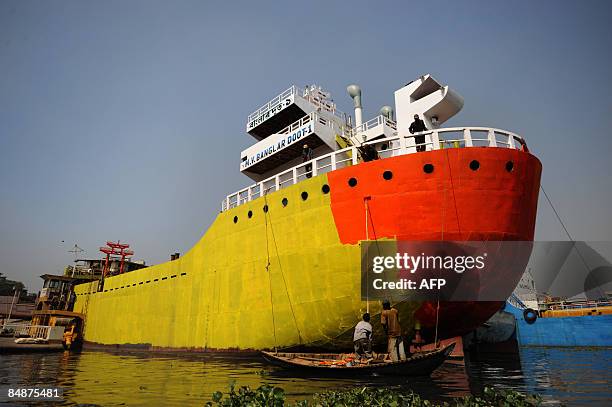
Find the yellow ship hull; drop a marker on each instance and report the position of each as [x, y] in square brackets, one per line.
[220, 294]
[291, 276]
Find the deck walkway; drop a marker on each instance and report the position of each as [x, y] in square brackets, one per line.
[8, 345]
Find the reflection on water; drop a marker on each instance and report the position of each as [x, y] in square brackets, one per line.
[571, 376]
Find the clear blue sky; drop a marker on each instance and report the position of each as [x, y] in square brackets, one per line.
[125, 119]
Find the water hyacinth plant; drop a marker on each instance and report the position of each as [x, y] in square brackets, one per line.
[271, 396]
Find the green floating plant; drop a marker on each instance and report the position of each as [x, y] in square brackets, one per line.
[271, 396]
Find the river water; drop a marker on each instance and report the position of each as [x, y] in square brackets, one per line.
[569, 376]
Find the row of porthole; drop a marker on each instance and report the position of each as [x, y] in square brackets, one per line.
[324, 189]
[387, 175]
[140, 283]
[429, 168]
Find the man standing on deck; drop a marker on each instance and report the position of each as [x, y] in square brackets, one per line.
[418, 126]
[307, 156]
[389, 318]
[362, 338]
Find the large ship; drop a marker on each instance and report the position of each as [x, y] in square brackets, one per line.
[280, 265]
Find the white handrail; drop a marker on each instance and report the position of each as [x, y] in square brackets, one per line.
[293, 90]
[31, 331]
[378, 120]
[321, 104]
[386, 147]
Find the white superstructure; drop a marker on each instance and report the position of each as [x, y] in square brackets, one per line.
[308, 116]
[299, 116]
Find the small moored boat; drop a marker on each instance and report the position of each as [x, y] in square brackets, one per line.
[418, 364]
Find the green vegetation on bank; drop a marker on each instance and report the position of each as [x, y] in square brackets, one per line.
[270, 396]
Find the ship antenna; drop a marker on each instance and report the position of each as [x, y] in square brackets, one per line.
[387, 111]
[354, 92]
[76, 250]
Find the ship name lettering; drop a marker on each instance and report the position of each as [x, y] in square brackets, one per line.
[292, 138]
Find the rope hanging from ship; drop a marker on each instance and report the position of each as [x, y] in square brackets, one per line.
[268, 264]
[442, 240]
[565, 228]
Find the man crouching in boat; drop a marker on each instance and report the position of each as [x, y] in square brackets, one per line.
[362, 338]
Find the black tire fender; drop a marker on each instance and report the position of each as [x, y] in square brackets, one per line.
[530, 315]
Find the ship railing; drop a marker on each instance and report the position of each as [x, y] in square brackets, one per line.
[314, 116]
[328, 106]
[578, 305]
[377, 121]
[27, 331]
[293, 90]
[454, 137]
[318, 102]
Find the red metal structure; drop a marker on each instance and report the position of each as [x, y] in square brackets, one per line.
[115, 249]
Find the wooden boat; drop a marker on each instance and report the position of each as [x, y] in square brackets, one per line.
[418, 364]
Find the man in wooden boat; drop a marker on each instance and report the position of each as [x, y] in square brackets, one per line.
[389, 318]
[362, 338]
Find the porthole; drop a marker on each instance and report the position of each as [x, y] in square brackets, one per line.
[235, 219]
[325, 189]
[474, 165]
[387, 175]
[250, 214]
[352, 182]
[304, 196]
[428, 168]
[509, 166]
[285, 201]
[265, 208]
